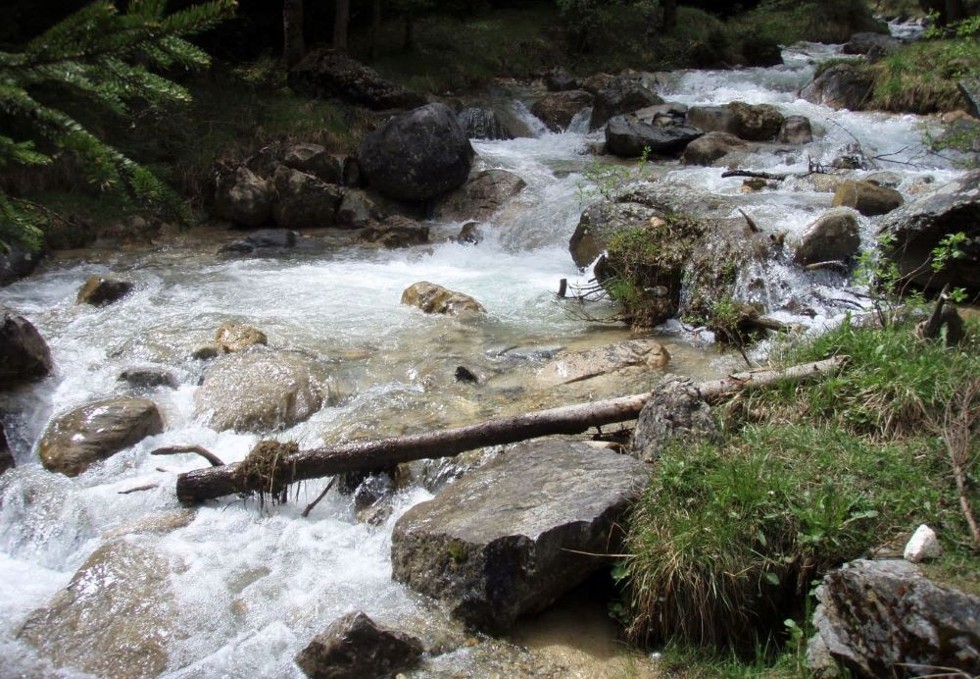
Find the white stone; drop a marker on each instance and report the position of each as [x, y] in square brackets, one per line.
[923, 545]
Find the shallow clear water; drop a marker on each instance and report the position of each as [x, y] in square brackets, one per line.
[252, 585]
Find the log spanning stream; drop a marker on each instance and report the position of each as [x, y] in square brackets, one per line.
[234, 590]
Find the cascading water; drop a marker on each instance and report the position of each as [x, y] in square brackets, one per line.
[236, 590]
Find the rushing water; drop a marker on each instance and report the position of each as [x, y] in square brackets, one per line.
[243, 588]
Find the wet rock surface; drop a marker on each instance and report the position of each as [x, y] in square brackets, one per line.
[580, 366]
[884, 618]
[396, 232]
[480, 197]
[834, 236]
[503, 540]
[557, 109]
[115, 617]
[867, 198]
[24, 355]
[355, 647]
[77, 439]
[629, 136]
[435, 299]
[102, 290]
[843, 85]
[260, 391]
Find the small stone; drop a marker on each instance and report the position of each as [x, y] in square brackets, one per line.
[923, 545]
[206, 352]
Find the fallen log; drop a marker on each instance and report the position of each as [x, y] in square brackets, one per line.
[203, 484]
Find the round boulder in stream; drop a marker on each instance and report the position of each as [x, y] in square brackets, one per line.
[96, 431]
[629, 136]
[417, 155]
[512, 537]
[435, 299]
[24, 355]
[259, 391]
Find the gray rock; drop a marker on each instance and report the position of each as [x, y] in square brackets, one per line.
[712, 118]
[867, 198]
[357, 210]
[17, 262]
[482, 122]
[101, 291]
[114, 618]
[756, 122]
[24, 355]
[304, 201]
[242, 197]
[884, 618]
[630, 136]
[259, 391]
[333, 75]
[233, 336]
[480, 197]
[557, 109]
[560, 80]
[148, 378]
[919, 226]
[77, 439]
[504, 540]
[873, 45]
[355, 647]
[625, 94]
[263, 240]
[711, 147]
[795, 130]
[601, 221]
[834, 236]
[396, 232]
[581, 366]
[842, 86]
[674, 412]
[6, 455]
[418, 155]
[312, 159]
[435, 299]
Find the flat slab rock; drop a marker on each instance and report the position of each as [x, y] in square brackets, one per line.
[507, 539]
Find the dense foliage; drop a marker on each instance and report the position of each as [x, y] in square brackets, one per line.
[96, 57]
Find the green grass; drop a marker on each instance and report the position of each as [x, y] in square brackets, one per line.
[729, 538]
[921, 77]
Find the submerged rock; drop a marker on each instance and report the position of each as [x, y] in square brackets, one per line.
[579, 366]
[435, 299]
[101, 291]
[507, 539]
[396, 232]
[355, 647]
[918, 227]
[711, 147]
[259, 391]
[417, 155]
[114, 619]
[884, 618]
[24, 355]
[77, 439]
[148, 378]
[263, 240]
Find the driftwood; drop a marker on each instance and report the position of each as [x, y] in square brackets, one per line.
[203, 484]
[198, 450]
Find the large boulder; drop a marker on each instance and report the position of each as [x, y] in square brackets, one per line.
[417, 155]
[834, 236]
[675, 412]
[918, 227]
[77, 439]
[712, 147]
[357, 210]
[115, 617]
[516, 534]
[712, 118]
[234, 336]
[24, 355]
[557, 109]
[435, 299]
[600, 222]
[867, 198]
[333, 75]
[480, 197]
[872, 45]
[756, 122]
[257, 391]
[886, 619]
[630, 136]
[242, 197]
[354, 647]
[844, 85]
[304, 201]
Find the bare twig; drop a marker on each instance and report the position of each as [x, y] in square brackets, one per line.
[180, 450]
[148, 486]
[323, 494]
